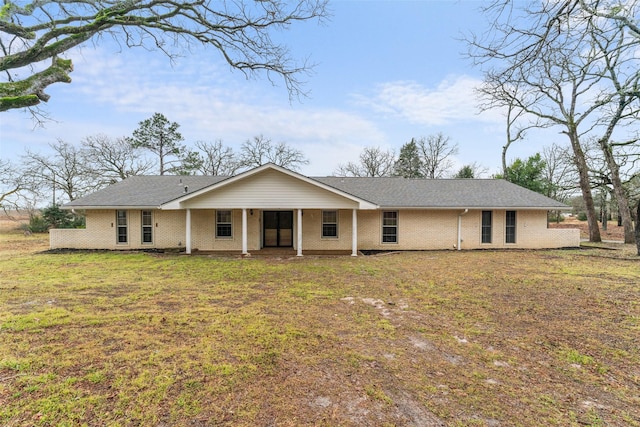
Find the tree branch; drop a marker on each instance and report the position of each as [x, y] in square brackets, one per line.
[30, 92]
[239, 30]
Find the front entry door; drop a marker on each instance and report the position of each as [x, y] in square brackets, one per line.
[278, 229]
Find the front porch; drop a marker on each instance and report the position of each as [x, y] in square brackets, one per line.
[251, 230]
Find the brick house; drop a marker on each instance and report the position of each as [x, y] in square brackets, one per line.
[272, 207]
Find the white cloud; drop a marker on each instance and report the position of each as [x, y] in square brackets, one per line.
[453, 100]
[111, 92]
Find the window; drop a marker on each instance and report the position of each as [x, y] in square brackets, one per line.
[390, 227]
[147, 227]
[329, 223]
[486, 226]
[122, 230]
[223, 224]
[510, 229]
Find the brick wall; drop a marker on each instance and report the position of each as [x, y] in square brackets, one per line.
[417, 229]
[203, 231]
[312, 231]
[100, 231]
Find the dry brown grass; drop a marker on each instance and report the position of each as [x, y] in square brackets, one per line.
[424, 338]
[613, 231]
[12, 220]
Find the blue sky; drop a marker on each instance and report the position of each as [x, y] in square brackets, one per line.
[386, 71]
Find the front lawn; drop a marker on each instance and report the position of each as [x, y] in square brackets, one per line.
[493, 338]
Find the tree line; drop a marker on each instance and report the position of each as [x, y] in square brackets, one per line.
[432, 157]
[155, 148]
[423, 157]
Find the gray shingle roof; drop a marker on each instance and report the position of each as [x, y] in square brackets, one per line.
[442, 193]
[145, 191]
[153, 191]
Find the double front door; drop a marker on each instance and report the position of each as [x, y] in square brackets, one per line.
[278, 229]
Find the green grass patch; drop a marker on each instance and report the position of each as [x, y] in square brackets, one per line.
[574, 356]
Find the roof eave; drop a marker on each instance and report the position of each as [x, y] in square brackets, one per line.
[107, 207]
[515, 208]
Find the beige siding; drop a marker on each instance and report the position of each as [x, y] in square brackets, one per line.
[270, 190]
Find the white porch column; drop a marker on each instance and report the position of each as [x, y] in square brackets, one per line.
[354, 233]
[299, 229]
[244, 231]
[187, 242]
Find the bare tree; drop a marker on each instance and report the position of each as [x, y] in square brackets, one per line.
[627, 160]
[374, 162]
[559, 172]
[436, 153]
[517, 120]
[241, 31]
[65, 171]
[13, 186]
[589, 95]
[216, 159]
[622, 101]
[112, 159]
[260, 150]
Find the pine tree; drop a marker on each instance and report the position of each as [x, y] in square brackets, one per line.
[161, 137]
[408, 164]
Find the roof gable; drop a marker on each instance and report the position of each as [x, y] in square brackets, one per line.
[269, 186]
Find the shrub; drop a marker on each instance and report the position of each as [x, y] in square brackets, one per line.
[37, 224]
[54, 217]
[58, 218]
[582, 216]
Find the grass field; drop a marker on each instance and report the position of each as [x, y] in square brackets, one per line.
[480, 338]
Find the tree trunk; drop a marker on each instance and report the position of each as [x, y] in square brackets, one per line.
[618, 190]
[161, 152]
[585, 187]
[504, 160]
[638, 228]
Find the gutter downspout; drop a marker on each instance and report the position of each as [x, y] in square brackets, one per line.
[460, 228]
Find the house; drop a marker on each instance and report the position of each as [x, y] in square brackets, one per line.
[272, 207]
